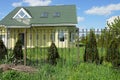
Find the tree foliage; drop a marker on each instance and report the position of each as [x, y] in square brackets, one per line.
[18, 52]
[53, 54]
[3, 50]
[115, 27]
[113, 54]
[91, 51]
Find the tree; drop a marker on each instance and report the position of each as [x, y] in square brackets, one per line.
[114, 27]
[53, 54]
[91, 51]
[113, 54]
[18, 52]
[3, 50]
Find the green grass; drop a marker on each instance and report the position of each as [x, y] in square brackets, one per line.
[82, 71]
[67, 68]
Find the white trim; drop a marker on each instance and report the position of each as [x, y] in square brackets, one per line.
[18, 27]
[53, 24]
[22, 9]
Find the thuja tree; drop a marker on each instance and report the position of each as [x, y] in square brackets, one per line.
[113, 54]
[91, 51]
[3, 50]
[18, 52]
[53, 54]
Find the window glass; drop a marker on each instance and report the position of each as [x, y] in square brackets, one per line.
[44, 37]
[56, 14]
[71, 36]
[21, 13]
[17, 16]
[61, 36]
[44, 14]
[25, 16]
[53, 37]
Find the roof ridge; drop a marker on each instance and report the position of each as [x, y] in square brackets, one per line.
[45, 6]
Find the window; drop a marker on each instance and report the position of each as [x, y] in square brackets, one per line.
[61, 36]
[44, 37]
[22, 14]
[71, 36]
[44, 14]
[56, 14]
[1, 37]
[53, 37]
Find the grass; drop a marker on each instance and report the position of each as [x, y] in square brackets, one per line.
[82, 71]
[67, 68]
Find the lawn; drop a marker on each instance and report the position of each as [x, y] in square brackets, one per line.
[69, 67]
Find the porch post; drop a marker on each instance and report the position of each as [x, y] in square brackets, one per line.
[25, 45]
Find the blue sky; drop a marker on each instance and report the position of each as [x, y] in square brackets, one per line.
[90, 13]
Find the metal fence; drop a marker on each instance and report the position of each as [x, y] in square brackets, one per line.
[69, 42]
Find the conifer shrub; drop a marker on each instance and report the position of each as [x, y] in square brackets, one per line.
[91, 51]
[113, 54]
[3, 50]
[18, 52]
[53, 54]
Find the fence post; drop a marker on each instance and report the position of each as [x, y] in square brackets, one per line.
[25, 46]
[78, 46]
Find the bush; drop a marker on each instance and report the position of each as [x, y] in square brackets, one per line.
[53, 54]
[18, 52]
[91, 51]
[3, 50]
[113, 54]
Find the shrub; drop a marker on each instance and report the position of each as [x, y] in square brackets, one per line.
[113, 54]
[91, 51]
[18, 52]
[3, 50]
[53, 54]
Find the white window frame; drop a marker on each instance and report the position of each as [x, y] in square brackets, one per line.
[25, 14]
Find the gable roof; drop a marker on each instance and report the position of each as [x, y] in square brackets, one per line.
[67, 16]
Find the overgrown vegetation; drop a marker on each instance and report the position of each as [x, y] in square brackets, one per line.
[91, 51]
[113, 54]
[82, 71]
[3, 50]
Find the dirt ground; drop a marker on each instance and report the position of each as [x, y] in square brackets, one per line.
[22, 68]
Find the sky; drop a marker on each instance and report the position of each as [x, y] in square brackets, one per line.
[90, 13]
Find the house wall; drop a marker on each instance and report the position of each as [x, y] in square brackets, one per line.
[38, 37]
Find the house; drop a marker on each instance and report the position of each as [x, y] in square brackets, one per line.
[38, 26]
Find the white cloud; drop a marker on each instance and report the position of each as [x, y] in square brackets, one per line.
[16, 4]
[103, 10]
[32, 3]
[80, 19]
[37, 2]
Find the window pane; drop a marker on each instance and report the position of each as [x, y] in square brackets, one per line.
[71, 36]
[25, 16]
[53, 37]
[61, 36]
[17, 16]
[21, 13]
[45, 14]
[56, 14]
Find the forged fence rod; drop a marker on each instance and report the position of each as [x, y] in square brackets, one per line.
[36, 42]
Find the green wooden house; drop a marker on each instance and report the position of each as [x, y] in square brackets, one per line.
[38, 26]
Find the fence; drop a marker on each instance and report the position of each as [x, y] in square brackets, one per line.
[70, 43]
